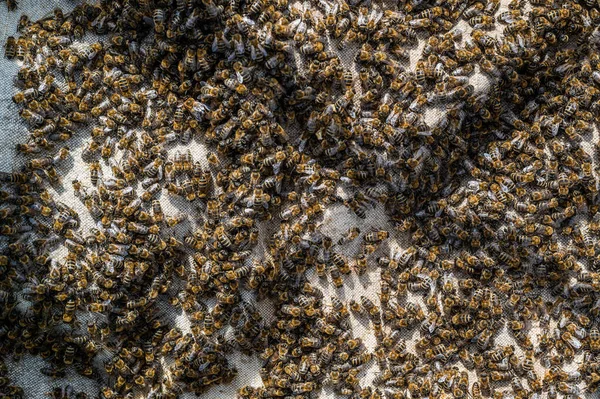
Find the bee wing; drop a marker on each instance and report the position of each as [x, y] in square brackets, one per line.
[575, 343]
[253, 53]
[376, 16]
[239, 47]
[325, 6]
[294, 25]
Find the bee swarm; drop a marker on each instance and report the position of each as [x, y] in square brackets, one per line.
[497, 200]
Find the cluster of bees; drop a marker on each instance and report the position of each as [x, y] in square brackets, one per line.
[496, 293]
[7, 388]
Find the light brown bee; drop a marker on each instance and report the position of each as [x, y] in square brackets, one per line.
[69, 311]
[514, 27]
[376, 236]
[484, 22]
[174, 220]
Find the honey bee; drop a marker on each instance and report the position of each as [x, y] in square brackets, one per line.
[509, 16]
[53, 372]
[483, 39]
[10, 47]
[484, 22]
[24, 22]
[33, 118]
[515, 27]
[174, 220]
[376, 236]
[69, 311]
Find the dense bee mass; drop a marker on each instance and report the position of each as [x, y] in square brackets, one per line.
[303, 107]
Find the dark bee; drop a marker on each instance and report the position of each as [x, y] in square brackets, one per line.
[10, 48]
